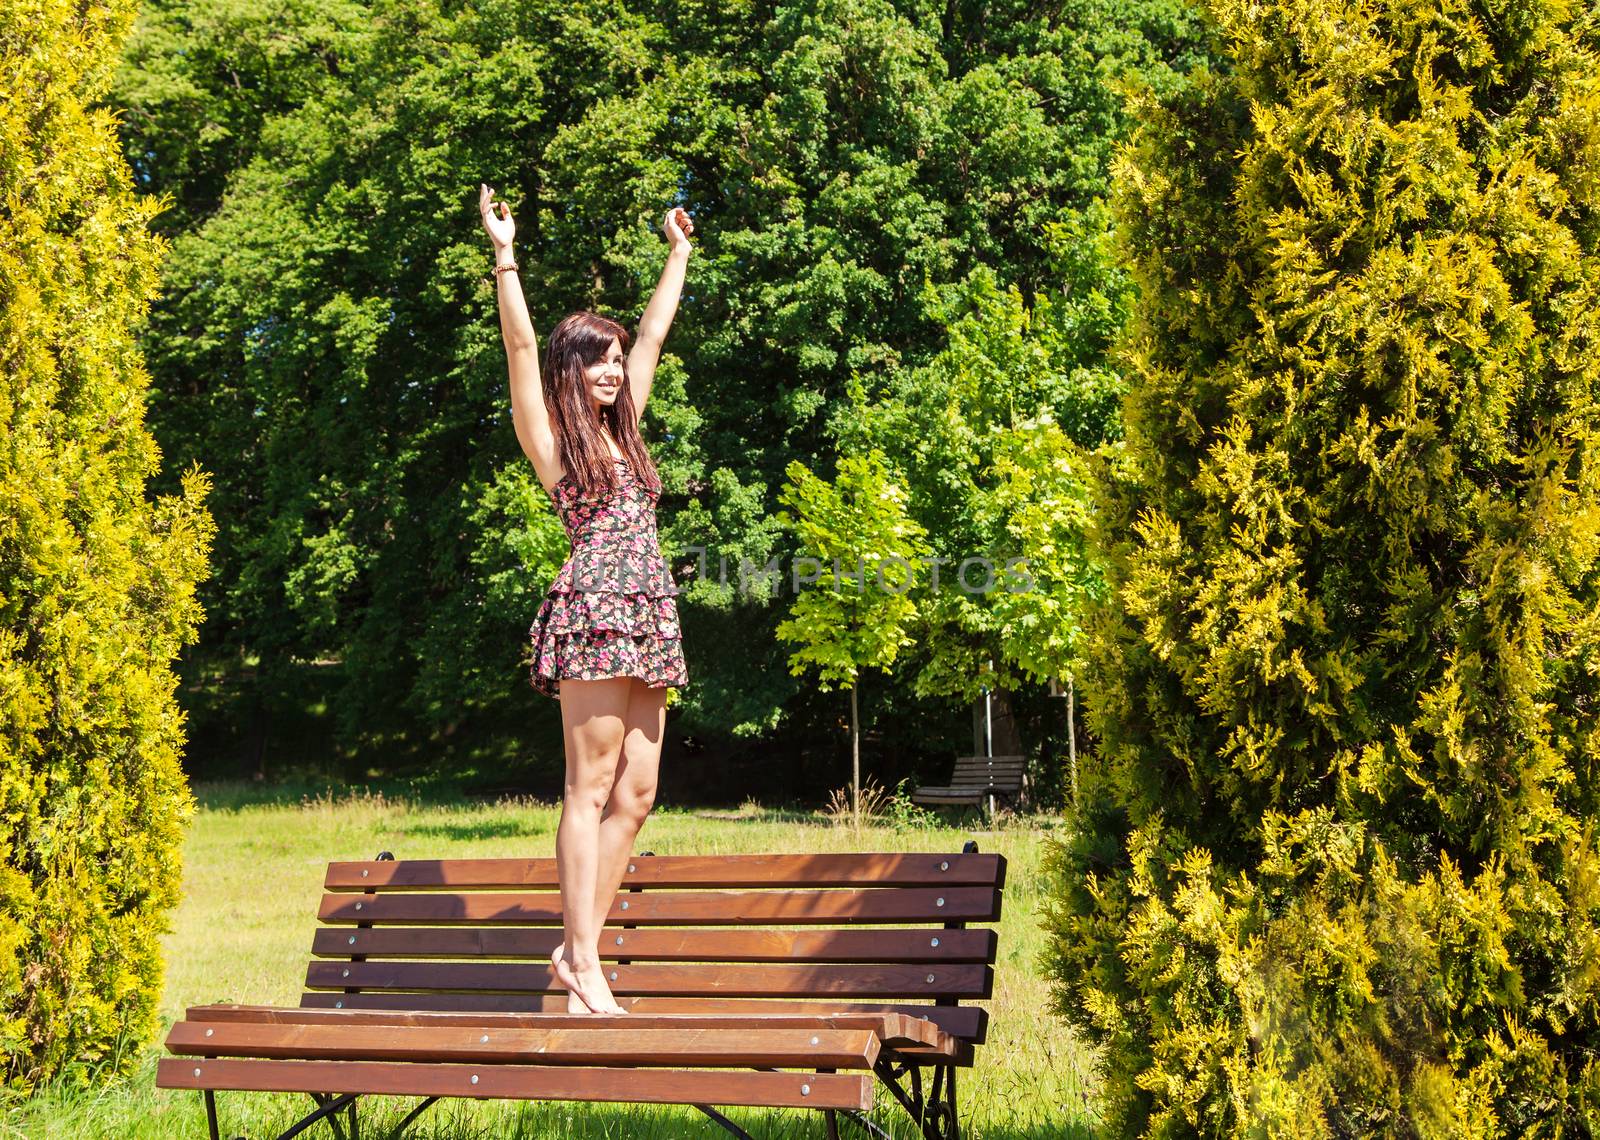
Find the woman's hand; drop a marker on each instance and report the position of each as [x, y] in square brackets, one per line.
[677, 226]
[501, 228]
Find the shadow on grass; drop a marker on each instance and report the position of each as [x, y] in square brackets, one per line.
[240, 795]
[1055, 1130]
[236, 795]
[503, 828]
[751, 814]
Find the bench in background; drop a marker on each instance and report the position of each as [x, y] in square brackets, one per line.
[976, 780]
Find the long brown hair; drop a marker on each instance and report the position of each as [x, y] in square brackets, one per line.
[577, 342]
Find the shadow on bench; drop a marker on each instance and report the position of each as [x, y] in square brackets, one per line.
[754, 980]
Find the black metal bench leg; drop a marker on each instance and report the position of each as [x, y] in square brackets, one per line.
[412, 1115]
[324, 1100]
[935, 1114]
[725, 1122]
[211, 1113]
[856, 1118]
[329, 1107]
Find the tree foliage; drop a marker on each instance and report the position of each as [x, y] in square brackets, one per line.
[865, 558]
[1337, 875]
[96, 581]
[326, 341]
[994, 433]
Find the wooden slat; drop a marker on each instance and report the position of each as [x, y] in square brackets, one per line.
[524, 1082]
[830, 870]
[668, 945]
[688, 980]
[585, 1045]
[897, 1030]
[947, 796]
[967, 1022]
[974, 778]
[690, 908]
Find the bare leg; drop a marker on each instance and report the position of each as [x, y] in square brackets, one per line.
[593, 715]
[633, 793]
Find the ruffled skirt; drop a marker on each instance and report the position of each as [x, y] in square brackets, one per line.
[590, 634]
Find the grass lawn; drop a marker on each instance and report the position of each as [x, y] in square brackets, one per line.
[253, 874]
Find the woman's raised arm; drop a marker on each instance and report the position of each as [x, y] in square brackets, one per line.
[528, 413]
[663, 306]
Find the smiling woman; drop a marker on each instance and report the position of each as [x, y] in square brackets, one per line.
[606, 639]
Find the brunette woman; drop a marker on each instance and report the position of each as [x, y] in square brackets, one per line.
[606, 639]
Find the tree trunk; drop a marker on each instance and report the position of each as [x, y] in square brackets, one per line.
[1072, 741]
[855, 757]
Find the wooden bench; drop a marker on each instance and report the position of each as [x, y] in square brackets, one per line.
[753, 980]
[977, 779]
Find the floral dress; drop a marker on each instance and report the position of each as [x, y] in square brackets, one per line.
[612, 610]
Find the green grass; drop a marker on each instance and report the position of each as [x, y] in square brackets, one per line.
[252, 876]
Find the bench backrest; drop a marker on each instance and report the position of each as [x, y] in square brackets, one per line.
[724, 933]
[1003, 772]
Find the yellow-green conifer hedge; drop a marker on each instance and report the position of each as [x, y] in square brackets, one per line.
[96, 581]
[1338, 873]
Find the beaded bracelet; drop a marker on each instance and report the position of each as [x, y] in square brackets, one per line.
[510, 267]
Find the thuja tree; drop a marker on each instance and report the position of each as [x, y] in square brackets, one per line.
[1337, 872]
[96, 581]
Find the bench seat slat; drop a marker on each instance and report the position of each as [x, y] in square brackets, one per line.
[823, 870]
[669, 944]
[524, 1082]
[967, 1022]
[687, 980]
[974, 779]
[570, 1045]
[690, 908]
[892, 1029]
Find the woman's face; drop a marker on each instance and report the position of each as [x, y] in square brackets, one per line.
[604, 376]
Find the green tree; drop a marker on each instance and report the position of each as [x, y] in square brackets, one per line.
[995, 434]
[1043, 502]
[1336, 873]
[860, 520]
[326, 340]
[965, 428]
[96, 581]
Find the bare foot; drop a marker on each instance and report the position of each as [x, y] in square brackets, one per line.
[565, 975]
[587, 991]
[597, 993]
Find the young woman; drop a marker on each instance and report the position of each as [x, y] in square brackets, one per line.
[606, 640]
